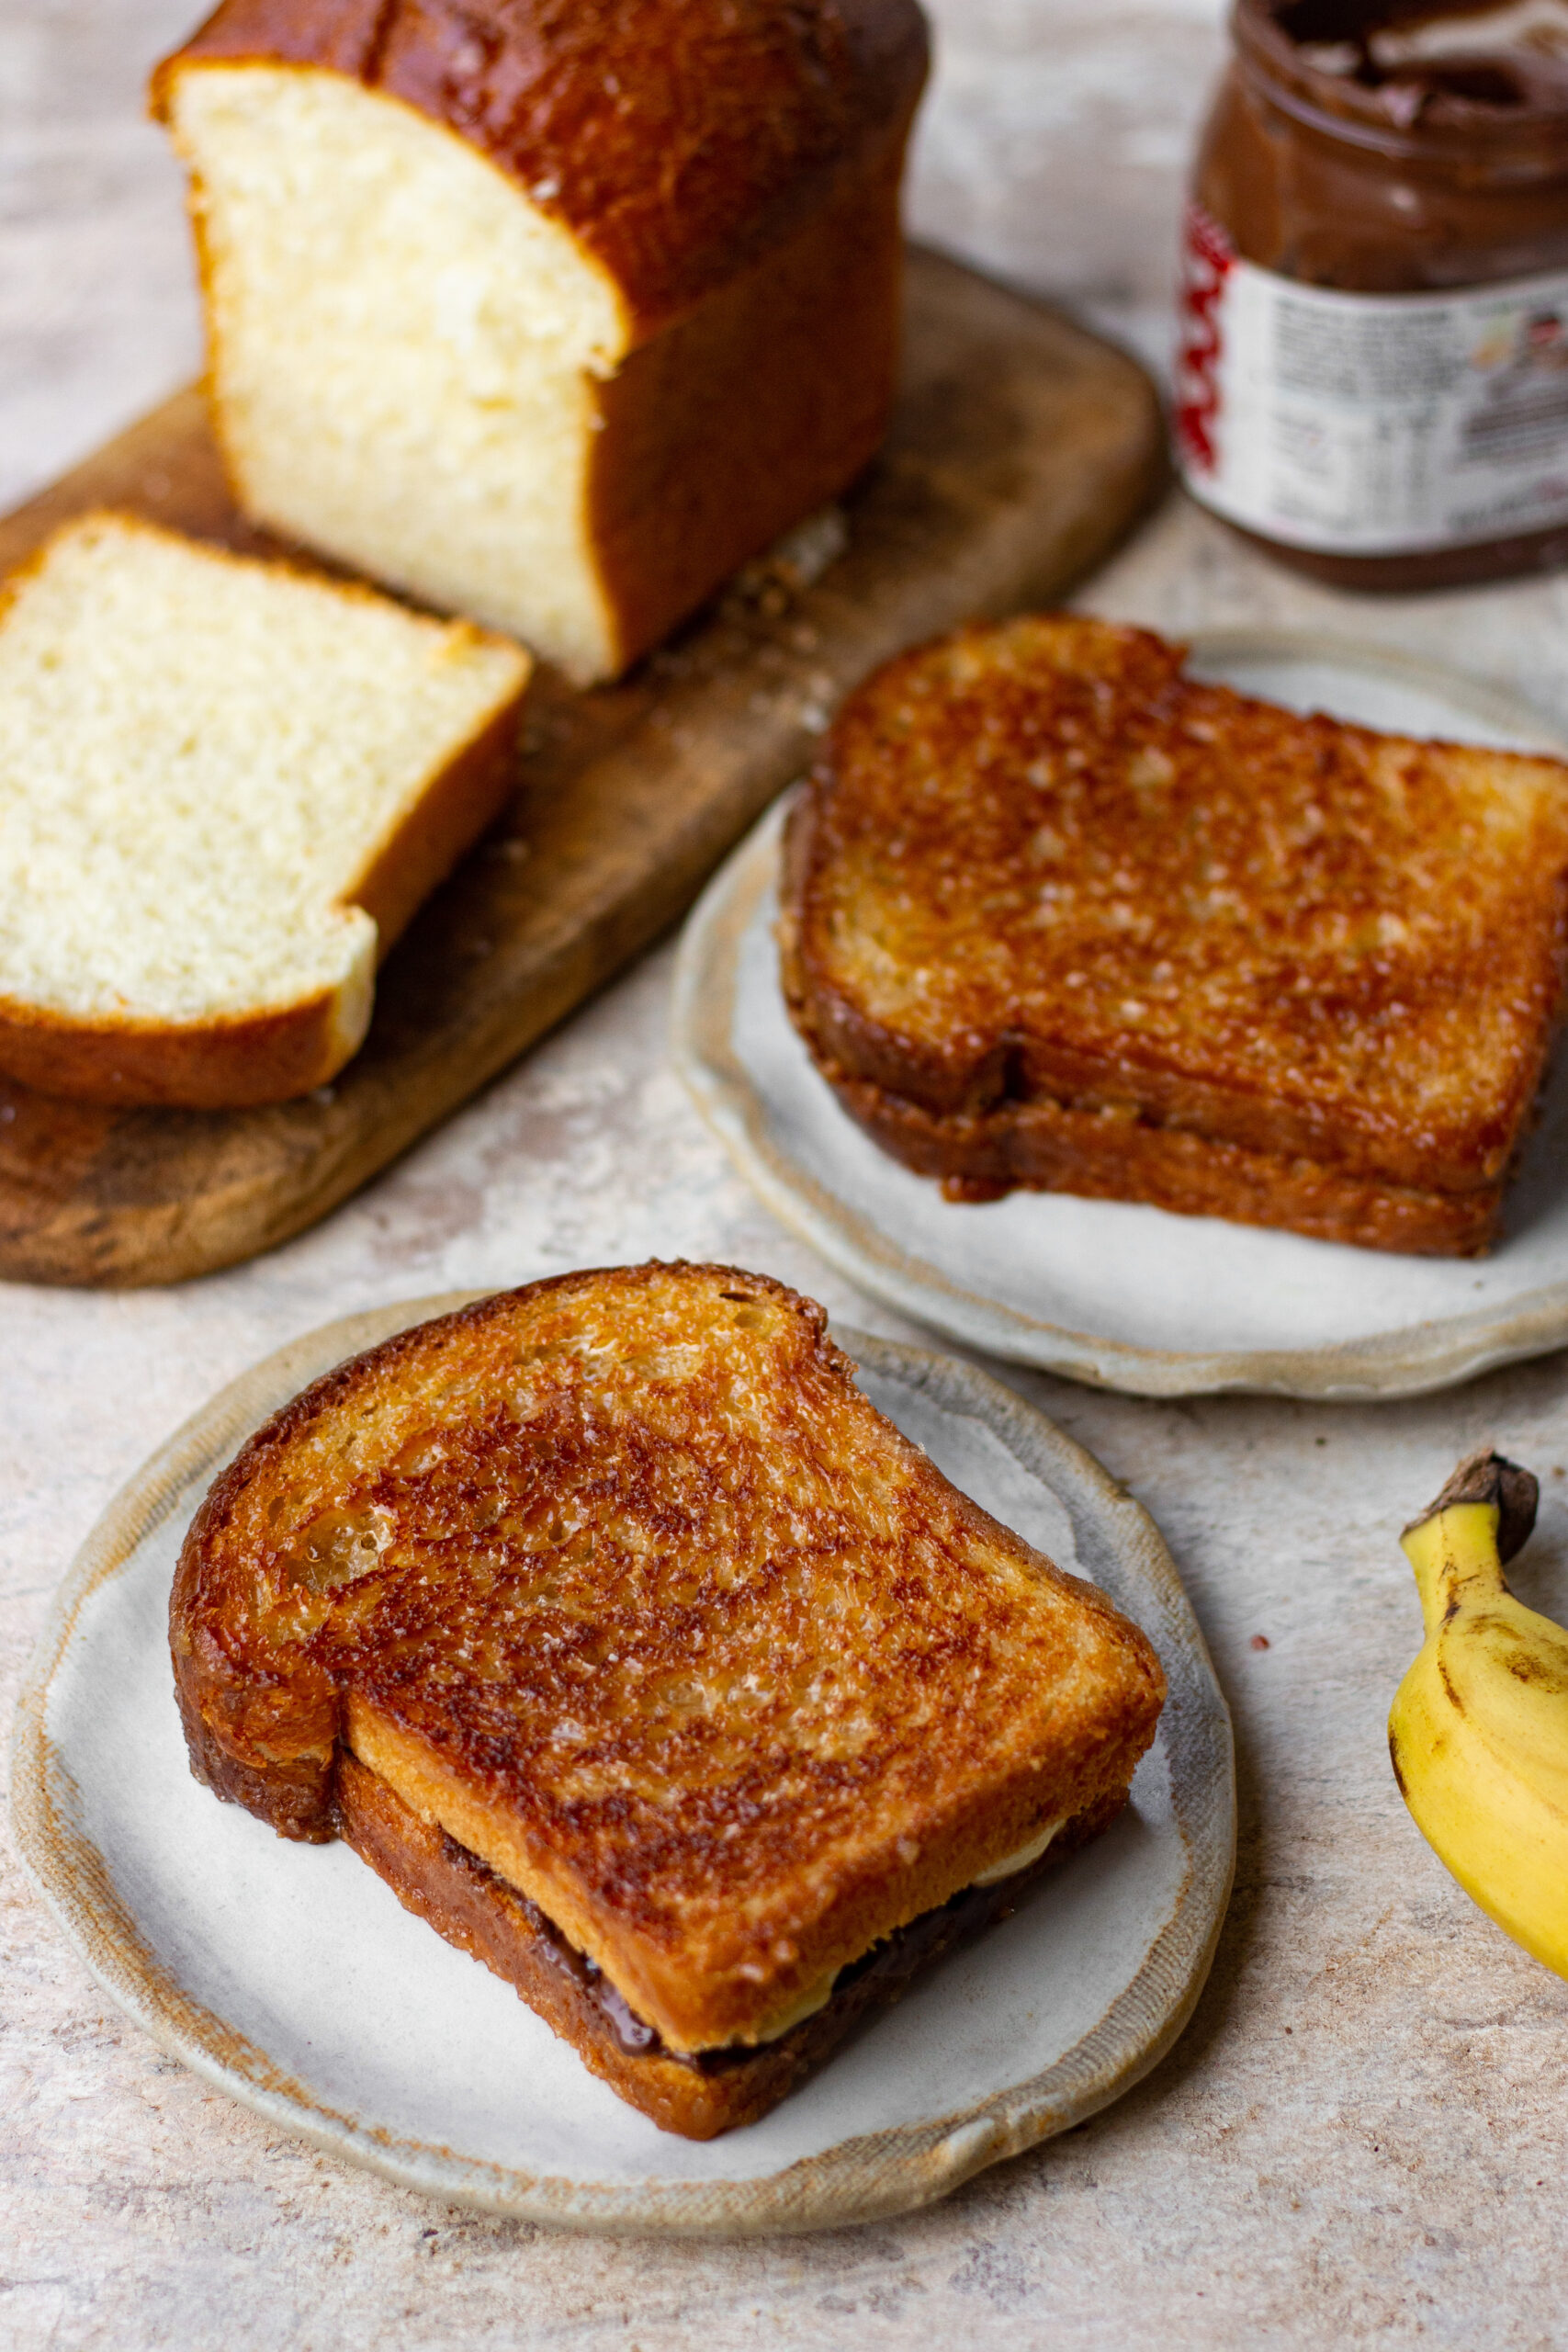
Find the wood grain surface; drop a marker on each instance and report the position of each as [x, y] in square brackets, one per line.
[1021, 450]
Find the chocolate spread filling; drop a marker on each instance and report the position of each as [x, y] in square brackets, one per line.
[890, 1964]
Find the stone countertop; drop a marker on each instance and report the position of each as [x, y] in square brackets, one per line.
[1359, 2139]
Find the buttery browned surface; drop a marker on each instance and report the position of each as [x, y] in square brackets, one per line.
[650, 1609]
[1112, 1155]
[450, 1888]
[676, 139]
[1037, 863]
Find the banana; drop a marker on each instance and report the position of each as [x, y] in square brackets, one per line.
[1479, 1728]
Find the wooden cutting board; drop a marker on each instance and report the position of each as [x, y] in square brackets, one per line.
[1021, 450]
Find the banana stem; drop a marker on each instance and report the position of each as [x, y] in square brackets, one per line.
[1455, 1556]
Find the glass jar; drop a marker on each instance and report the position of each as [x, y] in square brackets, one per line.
[1372, 371]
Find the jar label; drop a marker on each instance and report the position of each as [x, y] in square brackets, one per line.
[1369, 424]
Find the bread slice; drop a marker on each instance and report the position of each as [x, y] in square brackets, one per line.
[1058, 915]
[700, 2095]
[552, 315]
[224, 788]
[620, 1582]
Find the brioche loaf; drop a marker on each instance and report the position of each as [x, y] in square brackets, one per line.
[608, 1618]
[552, 311]
[224, 787]
[1058, 916]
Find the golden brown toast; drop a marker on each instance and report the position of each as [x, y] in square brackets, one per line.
[620, 1580]
[1054, 908]
[1113, 1155]
[699, 2095]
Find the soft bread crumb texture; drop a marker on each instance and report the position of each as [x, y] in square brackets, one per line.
[1038, 862]
[621, 1579]
[200, 759]
[403, 349]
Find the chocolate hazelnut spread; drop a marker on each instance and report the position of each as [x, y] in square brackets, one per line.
[884, 1971]
[1373, 374]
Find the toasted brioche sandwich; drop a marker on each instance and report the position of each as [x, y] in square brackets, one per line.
[642, 1655]
[1058, 916]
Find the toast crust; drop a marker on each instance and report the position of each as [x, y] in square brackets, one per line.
[1040, 874]
[468, 1904]
[1109, 1156]
[621, 1581]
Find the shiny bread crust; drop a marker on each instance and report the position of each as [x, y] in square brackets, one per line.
[695, 1647]
[1048, 901]
[679, 140]
[734, 167]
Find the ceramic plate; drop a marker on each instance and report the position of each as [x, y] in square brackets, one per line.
[1109, 1291]
[291, 1976]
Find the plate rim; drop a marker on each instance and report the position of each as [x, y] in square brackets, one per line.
[865, 2177]
[1412, 1359]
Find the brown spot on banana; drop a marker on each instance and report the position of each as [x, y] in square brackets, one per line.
[1542, 1673]
[1394, 1759]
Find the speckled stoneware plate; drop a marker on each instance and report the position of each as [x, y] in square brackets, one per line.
[291, 1976]
[1109, 1291]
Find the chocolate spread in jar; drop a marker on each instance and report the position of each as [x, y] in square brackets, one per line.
[1373, 374]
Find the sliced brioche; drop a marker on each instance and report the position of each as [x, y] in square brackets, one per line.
[1058, 915]
[553, 315]
[224, 788]
[621, 1581]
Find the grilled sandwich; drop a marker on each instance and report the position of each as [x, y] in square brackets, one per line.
[1058, 916]
[640, 1655]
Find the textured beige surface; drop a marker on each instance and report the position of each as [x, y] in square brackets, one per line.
[1359, 2141]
